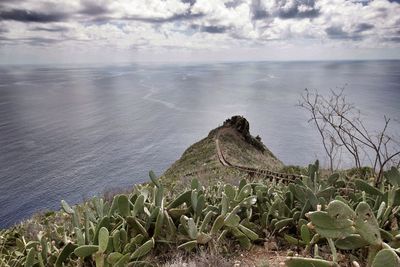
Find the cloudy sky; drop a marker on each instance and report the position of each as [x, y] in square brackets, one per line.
[61, 31]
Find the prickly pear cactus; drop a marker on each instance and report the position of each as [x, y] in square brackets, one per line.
[386, 258]
[367, 225]
[335, 222]
[124, 230]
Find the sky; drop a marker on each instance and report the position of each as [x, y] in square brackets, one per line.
[108, 31]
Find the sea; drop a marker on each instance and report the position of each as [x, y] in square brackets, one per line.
[74, 131]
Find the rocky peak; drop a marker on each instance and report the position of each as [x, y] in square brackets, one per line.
[240, 124]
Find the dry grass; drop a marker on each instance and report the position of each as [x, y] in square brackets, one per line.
[257, 256]
[202, 259]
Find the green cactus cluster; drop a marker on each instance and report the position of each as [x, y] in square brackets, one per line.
[339, 212]
[365, 218]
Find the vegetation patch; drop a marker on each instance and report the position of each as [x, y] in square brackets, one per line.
[329, 221]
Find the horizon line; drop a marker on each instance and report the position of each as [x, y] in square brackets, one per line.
[206, 62]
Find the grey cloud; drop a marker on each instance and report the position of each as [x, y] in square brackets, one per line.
[175, 17]
[4, 40]
[153, 20]
[210, 29]
[363, 27]
[33, 41]
[51, 29]
[93, 8]
[38, 41]
[259, 14]
[191, 2]
[284, 9]
[336, 32]
[257, 10]
[31, 16]
[214, 29]
[295, 12]
[363, 2]
[239, 36]
[233, 3]
[3, 30]
[395, 39]
[89, 10]
[140, 44]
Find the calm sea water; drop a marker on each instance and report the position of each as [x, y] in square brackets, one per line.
[70, 132]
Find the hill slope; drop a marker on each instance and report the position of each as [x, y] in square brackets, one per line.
[201, 160]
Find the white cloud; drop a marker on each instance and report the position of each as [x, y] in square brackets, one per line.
[201, 25]
[147, 9]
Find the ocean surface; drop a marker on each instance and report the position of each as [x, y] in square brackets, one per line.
[71, 132]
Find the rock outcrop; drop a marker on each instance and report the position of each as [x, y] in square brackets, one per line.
[243, 127]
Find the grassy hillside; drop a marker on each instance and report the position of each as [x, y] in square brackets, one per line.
[201, 161]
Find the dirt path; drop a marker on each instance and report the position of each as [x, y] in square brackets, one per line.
[253, 171]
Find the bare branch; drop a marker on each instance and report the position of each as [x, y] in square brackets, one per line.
[342, 129]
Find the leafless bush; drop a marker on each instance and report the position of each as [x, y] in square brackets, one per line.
[342, 131]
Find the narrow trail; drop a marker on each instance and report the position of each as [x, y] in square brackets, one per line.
[253, 171]
[250, 170]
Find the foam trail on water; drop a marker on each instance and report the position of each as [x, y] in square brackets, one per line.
[153, 91]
